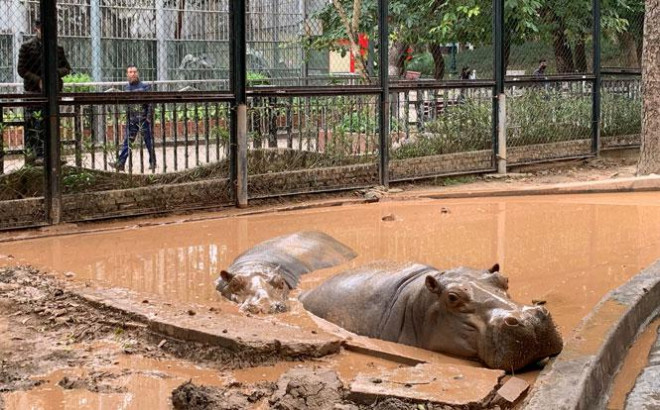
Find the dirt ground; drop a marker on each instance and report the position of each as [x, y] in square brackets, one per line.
[44, 327]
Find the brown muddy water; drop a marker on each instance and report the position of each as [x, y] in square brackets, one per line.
[566, 250]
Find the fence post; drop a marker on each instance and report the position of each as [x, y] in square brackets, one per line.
[499, 98]
[161, 42]
[384, 118]
[595, 94]
[238, 128]
[95, 32]
[52, 166]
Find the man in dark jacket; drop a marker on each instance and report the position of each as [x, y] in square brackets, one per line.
[138, 119]
[30, 67]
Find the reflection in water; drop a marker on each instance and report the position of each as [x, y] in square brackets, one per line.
[567, 250]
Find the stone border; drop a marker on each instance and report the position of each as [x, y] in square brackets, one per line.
[191, 322]
[634, 184]
[581, 375]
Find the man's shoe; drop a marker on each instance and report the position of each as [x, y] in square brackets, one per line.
[117, 166]
[38, 162]
[152, 166]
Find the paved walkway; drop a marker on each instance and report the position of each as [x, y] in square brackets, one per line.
[645, 395]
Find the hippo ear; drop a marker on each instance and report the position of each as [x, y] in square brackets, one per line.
[433, 285]
[495, 268]
[226, 276]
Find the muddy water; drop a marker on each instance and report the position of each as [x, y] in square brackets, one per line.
[566, 250]
[132, 382]
[635, 361]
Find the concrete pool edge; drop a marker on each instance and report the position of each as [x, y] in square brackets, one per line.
[581, 375]
[189, 322]
[633, 184]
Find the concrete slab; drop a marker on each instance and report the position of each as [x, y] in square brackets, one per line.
[430, 382]
[191, 322]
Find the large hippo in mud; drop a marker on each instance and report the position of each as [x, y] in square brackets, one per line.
[260, 278]
[463, 311]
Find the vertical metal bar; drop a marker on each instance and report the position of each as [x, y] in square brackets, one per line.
[77, 133]
[2, 141]
[384, 117]
[185, 134]
[207, 125]
[175, 127]
[104, 112]
[499, 123]
[163, 135]
[196, 119]
[289, 124]
[238, 136]
[217, 133]
[92, 134]
[52, 166]
[595, 95]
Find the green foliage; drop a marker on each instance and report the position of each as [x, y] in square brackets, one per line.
[71, 80]
[621, 115]
[464, 127]
[536, 116]
[254, 78]
[78, 181]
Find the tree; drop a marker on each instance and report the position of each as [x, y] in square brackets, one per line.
[411, 23]
[649, 161]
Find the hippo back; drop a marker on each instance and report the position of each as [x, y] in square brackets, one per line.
[379, 291]
[295, 254]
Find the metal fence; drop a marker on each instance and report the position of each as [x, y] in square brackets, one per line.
[265, 98]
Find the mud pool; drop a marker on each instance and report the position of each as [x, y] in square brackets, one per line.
[565, 250]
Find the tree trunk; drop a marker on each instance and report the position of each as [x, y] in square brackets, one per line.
[438, 61]
[629, 48]
[649, 160]
[581, 57]
[563, 53]
[396, 58]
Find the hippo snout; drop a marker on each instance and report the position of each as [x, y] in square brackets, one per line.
[520, 338]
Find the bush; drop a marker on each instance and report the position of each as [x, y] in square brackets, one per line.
[535, 116]
[71, 80]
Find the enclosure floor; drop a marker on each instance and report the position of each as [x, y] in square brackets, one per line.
[566, 250]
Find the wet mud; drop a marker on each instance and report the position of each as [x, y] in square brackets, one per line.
[565, 252]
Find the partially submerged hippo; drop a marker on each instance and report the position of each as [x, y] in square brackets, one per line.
[260, 278]
[464, 312]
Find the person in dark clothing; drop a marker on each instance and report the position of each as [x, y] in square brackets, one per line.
[540, 70]
[465, 73]
[138, 119]
[30, 68]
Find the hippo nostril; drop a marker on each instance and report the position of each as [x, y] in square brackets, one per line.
[542, 312]
[511, 321]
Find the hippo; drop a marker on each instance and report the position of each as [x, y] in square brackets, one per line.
[260, 279]
[463, 312]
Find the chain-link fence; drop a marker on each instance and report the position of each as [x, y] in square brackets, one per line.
[149, 116]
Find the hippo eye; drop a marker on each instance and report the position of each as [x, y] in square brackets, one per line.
[453, 298]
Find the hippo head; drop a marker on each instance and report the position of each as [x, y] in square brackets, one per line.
[256, 290]
[480, 320]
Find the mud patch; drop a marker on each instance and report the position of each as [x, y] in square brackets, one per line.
[189, 396]
[96, 382]
[307, 389]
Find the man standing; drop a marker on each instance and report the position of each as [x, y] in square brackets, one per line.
[138, 119]
[30, 68]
